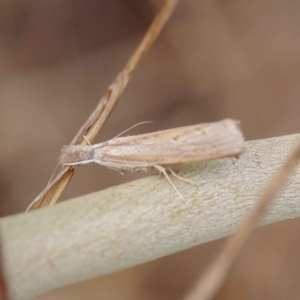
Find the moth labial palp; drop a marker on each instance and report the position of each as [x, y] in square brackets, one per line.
[140, 153]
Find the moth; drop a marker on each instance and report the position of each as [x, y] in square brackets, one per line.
[140, 153]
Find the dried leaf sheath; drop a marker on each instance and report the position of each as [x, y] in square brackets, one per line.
[90, 128]
[184, 144]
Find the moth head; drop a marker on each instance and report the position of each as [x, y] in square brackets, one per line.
[72, 154]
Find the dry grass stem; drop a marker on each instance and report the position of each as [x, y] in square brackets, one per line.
[213, 278]
[54, 189]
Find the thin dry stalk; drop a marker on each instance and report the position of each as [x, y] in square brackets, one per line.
[209, 284]
[54, 189]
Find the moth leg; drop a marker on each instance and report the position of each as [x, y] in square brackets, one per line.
[182, 178]
[87, 140]
[102, 163]
[79, 163]
[163, 170]
[159, 174]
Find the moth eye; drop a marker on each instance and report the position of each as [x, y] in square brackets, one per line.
[90, 154]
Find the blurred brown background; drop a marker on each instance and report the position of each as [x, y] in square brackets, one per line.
[215, 59]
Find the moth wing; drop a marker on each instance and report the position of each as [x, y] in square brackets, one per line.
[198, 142]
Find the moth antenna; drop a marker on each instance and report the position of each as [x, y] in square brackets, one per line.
[141, 123]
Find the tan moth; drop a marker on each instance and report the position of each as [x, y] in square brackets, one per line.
[140, 153]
